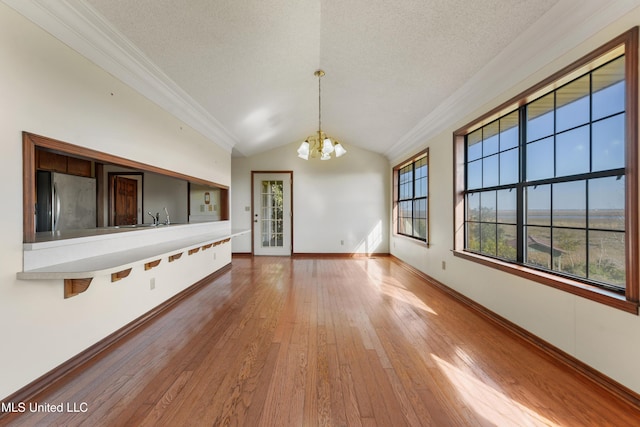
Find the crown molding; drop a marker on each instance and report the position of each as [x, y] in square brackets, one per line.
[80, 27]
[561, 29]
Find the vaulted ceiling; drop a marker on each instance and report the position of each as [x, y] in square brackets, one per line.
[242, 71]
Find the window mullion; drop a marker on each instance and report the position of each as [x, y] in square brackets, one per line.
[413, 199]
[520, 234]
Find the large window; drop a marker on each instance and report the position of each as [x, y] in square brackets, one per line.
[412, 198]
[548, 181]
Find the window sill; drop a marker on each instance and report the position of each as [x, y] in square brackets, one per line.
[412, 240]
[575, 287]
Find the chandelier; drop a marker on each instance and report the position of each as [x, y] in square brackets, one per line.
[320, 144]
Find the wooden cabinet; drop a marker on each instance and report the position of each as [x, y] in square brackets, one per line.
[54, 162]
[77, 166]
[51, 161]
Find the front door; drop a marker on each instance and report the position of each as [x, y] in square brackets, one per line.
[272, 216]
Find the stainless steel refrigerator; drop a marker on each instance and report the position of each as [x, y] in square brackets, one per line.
[65, 202]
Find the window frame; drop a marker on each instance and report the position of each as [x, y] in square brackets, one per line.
[626, 43]
[424, 154]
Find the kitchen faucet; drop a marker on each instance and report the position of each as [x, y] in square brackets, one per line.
[156, 218]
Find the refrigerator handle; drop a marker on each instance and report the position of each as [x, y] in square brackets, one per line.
[56, 208]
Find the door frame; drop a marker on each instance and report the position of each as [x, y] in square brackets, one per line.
[253, 174]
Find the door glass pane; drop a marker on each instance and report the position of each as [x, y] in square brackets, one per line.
[272, 213]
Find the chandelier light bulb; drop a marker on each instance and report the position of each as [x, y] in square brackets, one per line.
[327, 146]
[304, 148]
[339, 149]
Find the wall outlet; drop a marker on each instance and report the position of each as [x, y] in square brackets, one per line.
[444, 265]
[152, 283]
[342, 242]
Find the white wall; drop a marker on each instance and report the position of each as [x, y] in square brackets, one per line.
[343, 199]
[165, 192]
[50, 90]
[605, 338]
[201, 210]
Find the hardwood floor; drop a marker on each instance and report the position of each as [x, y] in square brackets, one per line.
[325, 342]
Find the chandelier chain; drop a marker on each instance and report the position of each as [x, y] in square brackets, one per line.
[319, 105]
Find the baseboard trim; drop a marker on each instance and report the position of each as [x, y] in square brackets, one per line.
[597, 377]
[241, 255]
[41, 384]
[338, 255]
[319, 255]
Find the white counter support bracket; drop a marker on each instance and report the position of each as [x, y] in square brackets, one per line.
[73, 287]
[120, 275]
[79, 273]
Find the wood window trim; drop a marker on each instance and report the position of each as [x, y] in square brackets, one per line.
[396, 169]
[628, 302]
[30, 142]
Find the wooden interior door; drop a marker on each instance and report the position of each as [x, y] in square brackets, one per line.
[125, 201]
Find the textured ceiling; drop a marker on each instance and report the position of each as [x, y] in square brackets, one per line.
[388, 64]
[241, 71]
